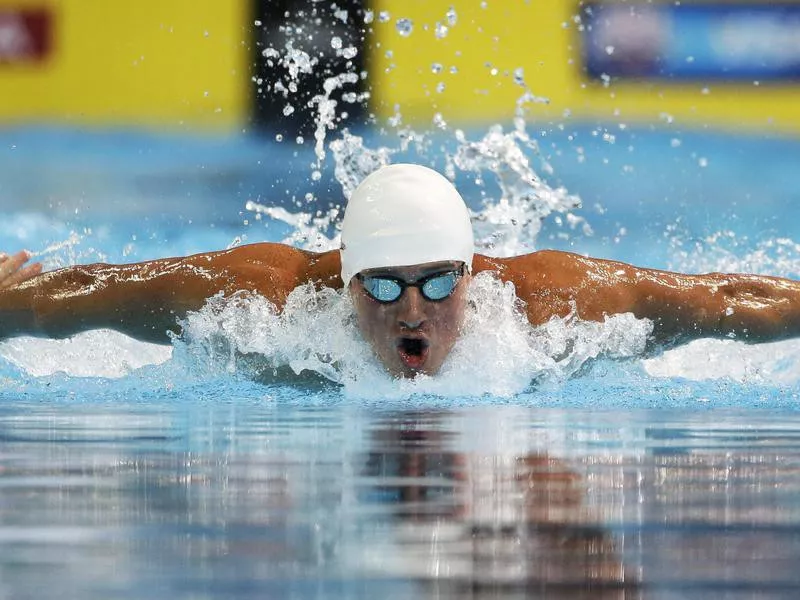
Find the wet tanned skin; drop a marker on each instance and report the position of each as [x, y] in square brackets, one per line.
[145, 299]
[437, 324]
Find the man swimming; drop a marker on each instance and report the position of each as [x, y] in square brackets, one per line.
[406, 258]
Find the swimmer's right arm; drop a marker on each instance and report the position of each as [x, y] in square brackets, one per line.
[146, 300]
[13, 269]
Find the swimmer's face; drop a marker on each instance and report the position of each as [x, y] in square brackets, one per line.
[412, 334]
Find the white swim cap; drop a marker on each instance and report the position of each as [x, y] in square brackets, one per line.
[404, 215]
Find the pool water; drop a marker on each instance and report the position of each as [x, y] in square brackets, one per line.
[131, 470]
[242, 491]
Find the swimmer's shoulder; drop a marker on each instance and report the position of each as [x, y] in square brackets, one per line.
[547, 268]
[547, 281]
[296, 265]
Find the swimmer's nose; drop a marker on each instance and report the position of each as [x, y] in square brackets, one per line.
[412, 309]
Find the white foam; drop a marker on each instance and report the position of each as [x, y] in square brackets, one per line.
[316, 332]
[727, 252]
[776, 363]
[98, 353]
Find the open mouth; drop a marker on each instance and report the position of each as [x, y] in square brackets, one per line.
[413, 351]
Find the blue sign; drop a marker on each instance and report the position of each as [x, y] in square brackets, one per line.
[693, 41]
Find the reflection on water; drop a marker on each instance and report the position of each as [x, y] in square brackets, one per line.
[466, 521]
[243, 499]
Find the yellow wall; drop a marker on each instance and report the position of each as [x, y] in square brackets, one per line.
[541, 37]
[173, 63]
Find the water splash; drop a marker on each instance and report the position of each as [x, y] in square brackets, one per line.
[354, 161]
[506, 223]
[510, 224]
[727, 252]
[296, 64]
[98, 353]
[404, 27]
[777, 363]
[452, 16]
[316, 332]
[308, 229]
[326, 112]
[515, 198]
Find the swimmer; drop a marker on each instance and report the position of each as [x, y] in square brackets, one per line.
[406, 259]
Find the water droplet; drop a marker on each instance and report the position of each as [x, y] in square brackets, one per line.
[287, 110]
[389, 54]
[453, 70]
[703, 162]
[436, 68]
[279, 138]
[440, 87]
[519, 76]
[609, 49]
[729, 311]
[705, 91]
[440, 31]
[299, 139]
[675, 142]
[349, 52]
[452, 17]
[384, 16]
[316, 175]
[205, 34]
[257, 23]
[336, 43]
[404, 27]
[369, 16]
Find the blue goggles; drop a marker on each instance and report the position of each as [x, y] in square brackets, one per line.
[434, 287]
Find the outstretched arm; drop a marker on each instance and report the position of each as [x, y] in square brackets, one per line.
[145, 300]
[751, 308]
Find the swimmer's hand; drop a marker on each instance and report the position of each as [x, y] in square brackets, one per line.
[13, 271]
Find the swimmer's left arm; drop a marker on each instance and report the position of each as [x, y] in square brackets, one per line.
[751, 308]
